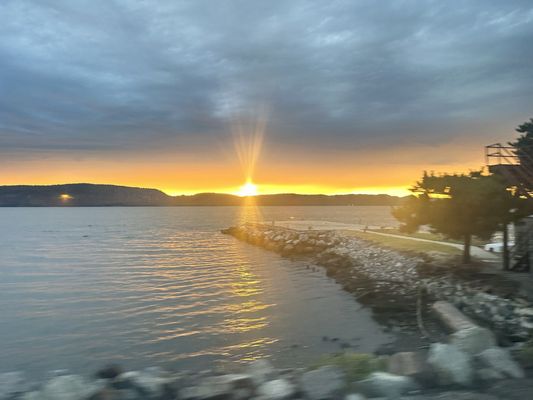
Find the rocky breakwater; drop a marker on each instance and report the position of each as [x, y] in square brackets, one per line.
[381, 278]
[391, 282]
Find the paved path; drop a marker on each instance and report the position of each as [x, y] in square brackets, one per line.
[477, 252]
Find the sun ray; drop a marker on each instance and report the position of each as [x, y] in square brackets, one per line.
[248, 140]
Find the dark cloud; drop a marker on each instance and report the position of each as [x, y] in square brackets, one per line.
[105, 75]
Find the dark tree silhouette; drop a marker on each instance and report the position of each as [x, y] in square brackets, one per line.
[524, 144]
[460, 207]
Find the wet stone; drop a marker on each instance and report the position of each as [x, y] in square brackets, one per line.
[322, 383]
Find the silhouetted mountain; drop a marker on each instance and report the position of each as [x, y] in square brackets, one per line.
[81, 194]
[90, 195]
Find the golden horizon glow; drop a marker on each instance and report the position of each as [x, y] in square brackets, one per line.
[384, 171]
[266, 189]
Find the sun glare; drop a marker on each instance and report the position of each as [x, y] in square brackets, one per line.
[248, 189]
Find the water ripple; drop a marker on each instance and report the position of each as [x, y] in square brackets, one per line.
[82, 287]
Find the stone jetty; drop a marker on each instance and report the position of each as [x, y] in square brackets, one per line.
[379, 277]
[391, 282]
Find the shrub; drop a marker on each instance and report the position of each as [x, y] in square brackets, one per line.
[356, 366]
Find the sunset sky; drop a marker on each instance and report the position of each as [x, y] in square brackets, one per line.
[320, 96]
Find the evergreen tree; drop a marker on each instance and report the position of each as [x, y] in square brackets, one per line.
[460, 207]
[524, 144]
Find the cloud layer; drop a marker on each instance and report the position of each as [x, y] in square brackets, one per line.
[125, 76]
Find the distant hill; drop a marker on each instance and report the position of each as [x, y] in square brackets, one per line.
[91, 195]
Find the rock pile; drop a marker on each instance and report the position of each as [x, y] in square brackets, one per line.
[261, 381]
[334, 251]
[511, 319]
[471, 352]
[285, 241]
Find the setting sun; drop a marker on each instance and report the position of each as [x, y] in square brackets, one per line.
[248, 189]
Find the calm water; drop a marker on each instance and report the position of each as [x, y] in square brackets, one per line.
[82, 287]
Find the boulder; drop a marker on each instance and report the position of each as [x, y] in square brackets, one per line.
[322, 383]
[69, 387]
[488, 374]
[513, 389]
[109, 372]
[451, 317]
[411, 364]
[237, 381]
[354, 396]
[501, 361]
[111, 394]
[261, 371]
[453, 395]
[12, 383]
[277, 389]
[32, 396]
[451, 365]
[241, 394]
[151, 382]
[383, 384]
[473, 340]
[206, 392]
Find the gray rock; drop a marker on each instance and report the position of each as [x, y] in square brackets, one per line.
[473, 340]
[57, 372]
[500, 360]
[235, 386]
[528, 312]
[322, 383]
[109, 372]
[32, 396]
[241, 393]
[69, 387]
[354, 396]
[277, 389]
[450, 364]
[12, 383]
[261, 371]
[205, 392]
[237, 380]
[453, 395]
[488, 374]
[151, 382]
[112, 394]
[513, 389]
[410, 364]
[383, 384]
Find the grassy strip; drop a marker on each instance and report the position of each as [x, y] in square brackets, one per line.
[429, 236]
[404, 244]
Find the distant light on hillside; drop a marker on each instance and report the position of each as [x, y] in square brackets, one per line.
[65, 197]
